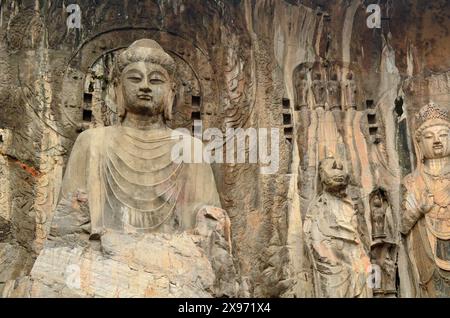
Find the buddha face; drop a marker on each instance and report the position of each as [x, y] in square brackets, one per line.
[146, 88]
[332, 175]
[434, 142]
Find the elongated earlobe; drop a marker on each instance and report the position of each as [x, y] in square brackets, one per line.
[170, 100]
[117, 96]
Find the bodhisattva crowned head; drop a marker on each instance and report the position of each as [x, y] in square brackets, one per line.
[332, 175]
[144, 80]
[432, 134]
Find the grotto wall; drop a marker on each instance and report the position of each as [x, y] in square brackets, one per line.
[312, 69]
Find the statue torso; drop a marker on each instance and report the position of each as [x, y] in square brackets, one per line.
[132, 183]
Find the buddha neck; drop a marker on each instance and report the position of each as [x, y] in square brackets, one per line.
[437, 166]
[144, 122]
[339, 193]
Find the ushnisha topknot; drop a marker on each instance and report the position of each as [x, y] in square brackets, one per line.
[431, 115]
[144, 50]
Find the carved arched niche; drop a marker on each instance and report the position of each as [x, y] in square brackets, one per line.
[87, 81]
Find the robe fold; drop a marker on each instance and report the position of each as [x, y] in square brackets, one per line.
[339, 259]
[428, 236]
[132, 183]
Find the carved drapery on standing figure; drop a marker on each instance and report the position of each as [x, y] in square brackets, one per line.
[426, 205]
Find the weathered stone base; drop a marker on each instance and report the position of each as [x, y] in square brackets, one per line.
[156, 265]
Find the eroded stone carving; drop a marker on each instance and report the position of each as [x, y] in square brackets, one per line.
[383, 252]
[339, 259]
[122, 188]
[378, 206]
[349, 92]
[426, 204]
[318, 85]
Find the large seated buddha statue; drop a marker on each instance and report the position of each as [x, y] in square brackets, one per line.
[131, 221]
[127, 172]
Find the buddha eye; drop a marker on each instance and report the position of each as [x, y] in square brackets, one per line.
[443, 133]
[156, 81]
[134, 79]
[156, 78]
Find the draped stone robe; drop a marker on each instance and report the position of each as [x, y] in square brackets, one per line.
[339, 259]
[132, 185]
[428, 237]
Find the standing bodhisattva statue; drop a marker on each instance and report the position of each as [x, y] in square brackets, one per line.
[426, 205]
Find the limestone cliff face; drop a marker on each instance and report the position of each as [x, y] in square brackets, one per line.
[311, 68]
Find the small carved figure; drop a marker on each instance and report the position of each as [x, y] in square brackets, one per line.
[301, 88]
[334, 95]
[384, 255]
[319, 89]
[350, 92]
[378, 206]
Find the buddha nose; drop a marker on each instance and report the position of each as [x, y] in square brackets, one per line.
[145, 88]
[436, 140]
[337, 165]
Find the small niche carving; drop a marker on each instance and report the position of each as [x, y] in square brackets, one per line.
[370, 104]
[87, 98]
[288, 132]
[378, 206]
[373, 131]
[196, 115]
[287, 119]
[87, 115]
[196, 101]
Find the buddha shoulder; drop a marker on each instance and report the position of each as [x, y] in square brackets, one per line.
[93, 135]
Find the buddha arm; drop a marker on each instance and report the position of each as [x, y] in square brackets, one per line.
[201, 192]
[72, 212]
[320, 245]
[410, 209]
[75, 176]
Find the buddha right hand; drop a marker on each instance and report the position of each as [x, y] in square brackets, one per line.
[426, 202]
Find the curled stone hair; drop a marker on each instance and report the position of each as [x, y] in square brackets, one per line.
[144, 50]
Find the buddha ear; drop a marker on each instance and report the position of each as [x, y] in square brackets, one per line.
[170, 100]
[116, 94]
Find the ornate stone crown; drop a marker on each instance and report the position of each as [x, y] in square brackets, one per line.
[432, 111]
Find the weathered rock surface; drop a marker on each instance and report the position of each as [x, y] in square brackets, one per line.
[154, 266]
[195, 264]
[247, 63]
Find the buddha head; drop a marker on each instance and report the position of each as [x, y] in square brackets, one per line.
[144, 80]
[432, 134]
[332, 175]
